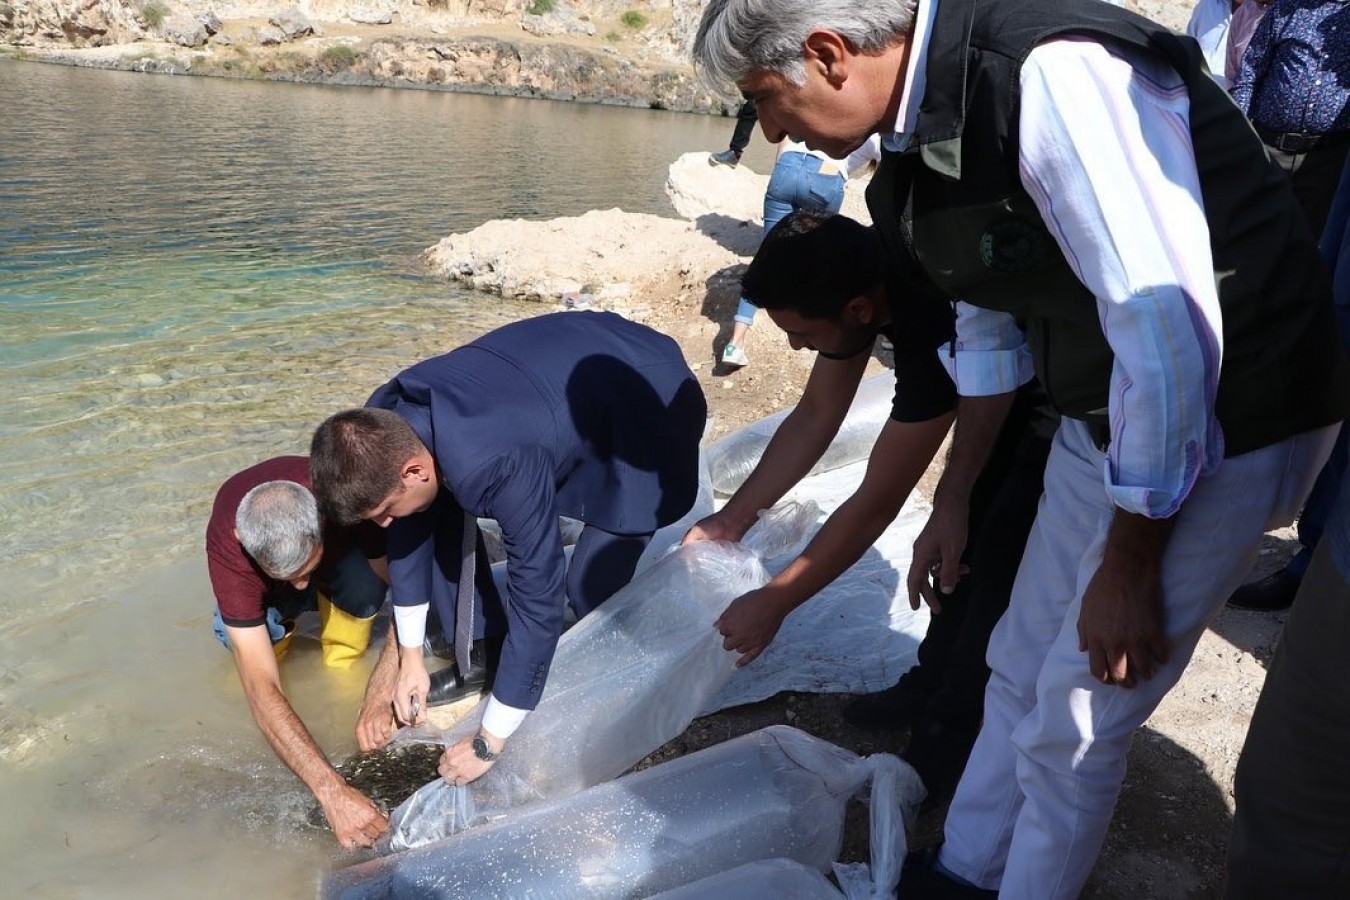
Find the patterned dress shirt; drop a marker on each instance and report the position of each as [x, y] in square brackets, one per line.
[1295, 75]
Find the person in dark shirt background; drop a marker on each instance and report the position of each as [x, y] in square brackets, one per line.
[821, 278]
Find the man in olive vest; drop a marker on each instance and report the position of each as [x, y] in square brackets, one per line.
[1070, 173]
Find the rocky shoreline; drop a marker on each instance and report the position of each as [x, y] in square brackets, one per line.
[589, 51]
[558, 54]
[472, 64]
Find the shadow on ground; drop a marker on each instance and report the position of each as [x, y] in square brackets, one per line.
[1168, 838]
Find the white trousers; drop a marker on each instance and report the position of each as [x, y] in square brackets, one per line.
[1032, 808]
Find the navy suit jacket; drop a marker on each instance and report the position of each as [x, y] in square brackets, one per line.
[578, 414]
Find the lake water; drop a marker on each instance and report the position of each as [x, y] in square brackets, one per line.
[193, 273]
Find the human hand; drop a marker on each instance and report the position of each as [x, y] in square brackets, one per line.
[937, 555]
[1121, 626]
[410, 690]
[750, 624]
[712, 528]
[459, 765]
[375, 723]
[355, 820]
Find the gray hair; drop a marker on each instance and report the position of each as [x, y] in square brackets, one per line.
[278, 525]
[737, 37]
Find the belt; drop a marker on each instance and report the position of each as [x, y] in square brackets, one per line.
[1296, 142]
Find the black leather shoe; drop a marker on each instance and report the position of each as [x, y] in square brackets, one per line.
[893, 709]
[921, 880]
[448, 685]
[1272, 593]
[436, 645]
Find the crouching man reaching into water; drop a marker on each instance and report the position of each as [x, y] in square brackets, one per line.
[575, 414]
[269, 559]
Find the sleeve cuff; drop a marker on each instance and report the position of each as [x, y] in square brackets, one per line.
[1148, 502]
[500, 720]
[984, 373]
[410, 623]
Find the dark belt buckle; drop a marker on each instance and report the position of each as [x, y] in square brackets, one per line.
[1292, 143]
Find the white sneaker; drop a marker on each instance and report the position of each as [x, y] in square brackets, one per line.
[735, 356]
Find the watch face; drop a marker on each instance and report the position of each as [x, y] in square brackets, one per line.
[481, 749]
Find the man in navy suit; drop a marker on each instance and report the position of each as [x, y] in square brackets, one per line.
[578, 414]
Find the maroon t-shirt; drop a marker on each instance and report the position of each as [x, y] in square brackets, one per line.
[240, 585]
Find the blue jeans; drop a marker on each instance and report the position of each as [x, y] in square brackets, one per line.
[796, 183]
[1322, 500]
[352, 586]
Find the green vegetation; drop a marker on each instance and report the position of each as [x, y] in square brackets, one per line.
[633, 19]
[337, 58]
[155, 12]
[539, 7]
[613, 37]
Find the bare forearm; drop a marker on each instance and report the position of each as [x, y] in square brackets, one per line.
[800, 441]
[796, 446]
[978, 423]
[289, 738]
[380, 687]
[902, 454]
[1136, 543]
[841, 542]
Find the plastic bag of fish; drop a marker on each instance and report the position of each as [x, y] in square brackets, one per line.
[777, 793]
[626, 679]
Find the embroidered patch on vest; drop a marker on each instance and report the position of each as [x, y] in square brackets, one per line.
[1012, 245]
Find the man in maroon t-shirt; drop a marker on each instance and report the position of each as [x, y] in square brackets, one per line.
[269, 560]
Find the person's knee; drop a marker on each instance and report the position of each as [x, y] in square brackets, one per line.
[602, 564]
[355, 588]
[361, 603]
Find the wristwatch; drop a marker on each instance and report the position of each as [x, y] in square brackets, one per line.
[482, 750]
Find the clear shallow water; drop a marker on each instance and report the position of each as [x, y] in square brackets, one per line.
[193, 272]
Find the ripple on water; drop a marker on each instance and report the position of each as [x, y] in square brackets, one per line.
[111, 454]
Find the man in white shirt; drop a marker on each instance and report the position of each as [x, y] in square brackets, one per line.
[1072, 175]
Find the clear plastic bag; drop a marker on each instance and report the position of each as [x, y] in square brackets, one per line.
[625, 680]
[732, 458]
[776, 793]
[766, 879]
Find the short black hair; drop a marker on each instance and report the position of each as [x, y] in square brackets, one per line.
[814, 263]
[355, 459]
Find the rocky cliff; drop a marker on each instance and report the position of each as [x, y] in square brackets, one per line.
[628, 52]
